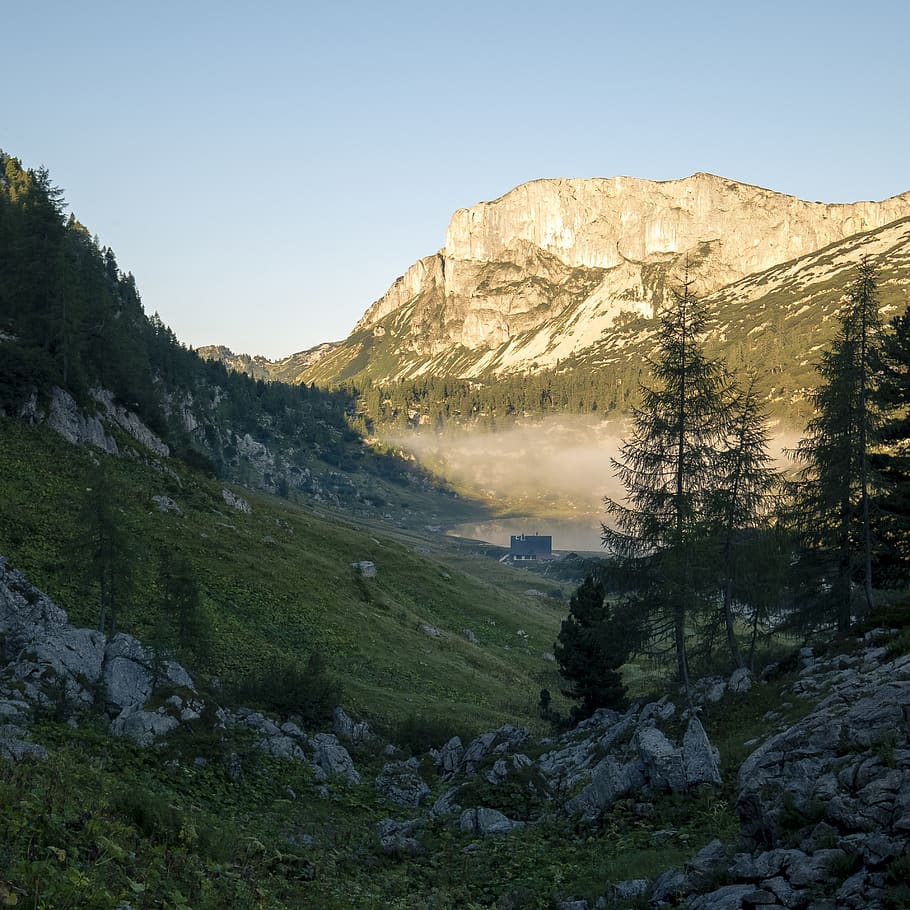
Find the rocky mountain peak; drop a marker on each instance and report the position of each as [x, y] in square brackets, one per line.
[600, 245]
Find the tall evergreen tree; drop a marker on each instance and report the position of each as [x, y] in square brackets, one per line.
[591, 647]
[669, 467]
[833, 493]
[743, 496]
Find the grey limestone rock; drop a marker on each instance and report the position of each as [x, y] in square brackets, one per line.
[144, 726]
[662, 763]
[397, 838]
[610, 782]
[400, 782]
[446, 804]
[357, 733]
[14, 747]
[700, 759]
[630, 890]
[485, 822]
[451, 756]
[728, 897]
[740, 681]
[236, 502]
[332, 758]
[476, 751]
[68, 419]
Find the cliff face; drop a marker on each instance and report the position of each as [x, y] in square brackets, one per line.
[604, 246]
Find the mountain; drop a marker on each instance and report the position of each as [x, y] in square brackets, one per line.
[563, 274]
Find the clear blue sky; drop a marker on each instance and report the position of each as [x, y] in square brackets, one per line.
[267, 170]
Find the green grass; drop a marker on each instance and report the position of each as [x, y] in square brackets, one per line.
[104, 822]
[278, 584]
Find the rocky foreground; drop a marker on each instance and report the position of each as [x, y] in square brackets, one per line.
[824, 804]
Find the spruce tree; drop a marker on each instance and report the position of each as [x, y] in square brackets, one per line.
[833, 493]
[670, 467]
[592, 645]
[743, 497]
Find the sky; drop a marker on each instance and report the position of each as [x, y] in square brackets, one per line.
[267, 170]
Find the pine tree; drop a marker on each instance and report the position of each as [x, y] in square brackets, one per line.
[592, 645]
[669, 467]
[743, 496]
[833, 493]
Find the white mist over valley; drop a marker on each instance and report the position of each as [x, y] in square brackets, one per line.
[546, 477]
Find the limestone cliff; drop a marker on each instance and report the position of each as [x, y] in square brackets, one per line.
[594, 248]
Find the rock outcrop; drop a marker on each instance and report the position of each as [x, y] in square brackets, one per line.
[49, 663]
[546, 270]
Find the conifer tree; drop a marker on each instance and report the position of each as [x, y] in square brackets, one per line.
[592, 645]
[669, 467]
[833, 493]
[743, 496]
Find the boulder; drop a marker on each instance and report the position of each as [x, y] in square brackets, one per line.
[740, 681]
[610, 782]
[485, 822]
[661, 762]
[397, 838]
[357, 733]
[451, 756]
[701, 760]
[332, 759]
[400, 782]
[14, 747]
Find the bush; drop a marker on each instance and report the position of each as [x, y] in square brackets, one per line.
[308, 692]
[420, 734]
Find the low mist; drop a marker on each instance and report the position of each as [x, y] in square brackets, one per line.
[549, 477]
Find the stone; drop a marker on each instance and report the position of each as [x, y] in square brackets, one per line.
[662, 763]
[397, 838]
[400, 782]
[632, 889]
[740, 682]
[700, 760]
[728, 897]
[68, 419]
[669, 887]
[166, 504]
[236, 502]
[486, 822]
[14, 747]
[610, 782]
[358, 733]
[451, 756]
[143, 726]
[332, 758]
[446, 804]
[477, 749]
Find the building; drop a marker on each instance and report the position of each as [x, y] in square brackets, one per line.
[526, 547]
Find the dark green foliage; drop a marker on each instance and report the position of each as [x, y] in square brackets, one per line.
[106, 540]
[891, 462]
[182, 610]
[832, 498]
[420, 734]
[307, 691]
[594, 642]
[670, 467]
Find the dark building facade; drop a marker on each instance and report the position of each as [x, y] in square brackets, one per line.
[531, 546]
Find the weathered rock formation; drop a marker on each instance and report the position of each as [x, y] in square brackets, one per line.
[542, 272]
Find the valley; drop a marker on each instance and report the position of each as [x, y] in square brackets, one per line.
[258, 648]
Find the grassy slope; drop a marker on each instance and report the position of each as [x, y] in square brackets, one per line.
[278, 584]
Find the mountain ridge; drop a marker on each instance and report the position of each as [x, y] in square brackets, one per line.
[553, 269]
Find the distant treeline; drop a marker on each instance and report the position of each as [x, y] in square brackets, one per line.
[441, 403]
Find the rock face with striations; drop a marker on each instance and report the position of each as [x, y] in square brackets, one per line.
[513, 264]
